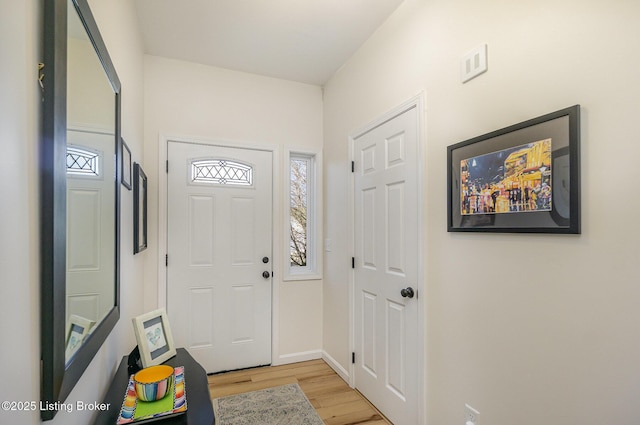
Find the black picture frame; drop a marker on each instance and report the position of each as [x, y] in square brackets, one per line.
[126, 165]
[139, 209]
[524, 178]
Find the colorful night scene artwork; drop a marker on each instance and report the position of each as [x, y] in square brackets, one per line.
[512, 180]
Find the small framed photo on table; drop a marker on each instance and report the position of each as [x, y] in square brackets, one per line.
[154, 337]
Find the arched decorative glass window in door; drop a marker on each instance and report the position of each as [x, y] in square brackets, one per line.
[221, 172]
[82, 161]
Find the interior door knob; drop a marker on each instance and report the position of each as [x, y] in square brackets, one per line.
[266, 274]
[407, 292]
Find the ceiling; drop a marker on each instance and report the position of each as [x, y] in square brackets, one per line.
[299, 40]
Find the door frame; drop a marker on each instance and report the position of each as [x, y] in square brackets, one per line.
[416, 102]
[276, 194]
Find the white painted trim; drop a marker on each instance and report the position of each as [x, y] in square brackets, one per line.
[351, 231]
[418, 103]
[88, 129]
[422, 243]
[276, 261]
[313, 355]
[337, 367]
[302, 356]
[162, 178]
[316, 205]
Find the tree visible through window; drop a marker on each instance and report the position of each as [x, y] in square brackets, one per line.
[299, 207]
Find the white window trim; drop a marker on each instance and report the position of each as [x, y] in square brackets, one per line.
[313, 270]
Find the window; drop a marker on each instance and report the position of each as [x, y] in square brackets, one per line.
[298, 210]
[221, 171]
[82, 162]
[303, 226]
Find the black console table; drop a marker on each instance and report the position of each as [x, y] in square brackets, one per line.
[199, 408]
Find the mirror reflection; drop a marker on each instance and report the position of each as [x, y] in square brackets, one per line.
[91, 176]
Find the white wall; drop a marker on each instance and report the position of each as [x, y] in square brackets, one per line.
[19, 280]
[187, 100]
[20, 34]
[528, 329]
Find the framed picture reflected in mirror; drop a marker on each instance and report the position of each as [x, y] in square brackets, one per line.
[126, 165]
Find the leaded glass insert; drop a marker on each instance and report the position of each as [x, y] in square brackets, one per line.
[82, 162]
[221, 171]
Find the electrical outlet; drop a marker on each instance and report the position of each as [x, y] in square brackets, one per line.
[471, 415]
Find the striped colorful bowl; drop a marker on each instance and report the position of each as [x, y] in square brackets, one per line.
[153, 383]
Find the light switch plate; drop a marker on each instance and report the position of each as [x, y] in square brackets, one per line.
[471, 415]
[474, 63]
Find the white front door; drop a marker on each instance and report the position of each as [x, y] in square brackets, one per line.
[386, 265]
[90, 224]
[219, 246]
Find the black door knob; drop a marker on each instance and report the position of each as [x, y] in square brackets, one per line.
[407, 292]
[265, 260]
[266, 274]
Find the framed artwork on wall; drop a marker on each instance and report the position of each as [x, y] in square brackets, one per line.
[139, 209]
[155, 340]
[126, 165]
[520, 179]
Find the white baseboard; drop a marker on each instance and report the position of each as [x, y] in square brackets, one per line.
[298, 357]
[341, 371]
[313, 355]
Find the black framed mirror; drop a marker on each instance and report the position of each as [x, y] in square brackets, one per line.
[80, 197]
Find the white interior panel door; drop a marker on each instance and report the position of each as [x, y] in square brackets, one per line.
[386, 267]
[219, 254]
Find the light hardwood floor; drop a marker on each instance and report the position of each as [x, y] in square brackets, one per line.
[333, 399]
